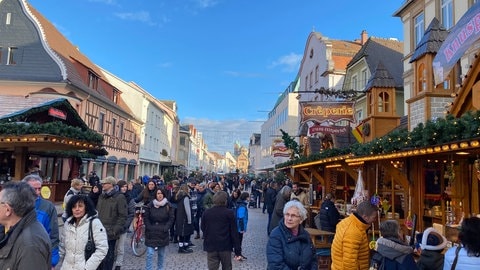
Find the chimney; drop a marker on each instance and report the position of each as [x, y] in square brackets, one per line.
[363, 37]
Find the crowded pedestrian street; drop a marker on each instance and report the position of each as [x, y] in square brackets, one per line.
[254, 245]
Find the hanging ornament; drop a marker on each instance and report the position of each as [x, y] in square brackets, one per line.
[409, 220]
[373, 243]
[375, 200]
[359, 194]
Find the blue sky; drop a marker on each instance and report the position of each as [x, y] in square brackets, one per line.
[223, 61]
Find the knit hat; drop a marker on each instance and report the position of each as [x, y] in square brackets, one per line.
[431, 239]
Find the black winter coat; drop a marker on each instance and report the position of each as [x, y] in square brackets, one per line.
[220, 230]
[184, 218]
[158, 222]
[329, 216]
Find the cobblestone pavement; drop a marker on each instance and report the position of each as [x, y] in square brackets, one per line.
[253, 247]
[254, 244]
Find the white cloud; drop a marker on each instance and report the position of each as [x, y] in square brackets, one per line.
[288, 63]
[108, 2]
[220, 135]
[206, 3]
[243, 74]
[140, 16]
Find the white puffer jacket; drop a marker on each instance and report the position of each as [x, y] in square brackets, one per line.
[74, 239]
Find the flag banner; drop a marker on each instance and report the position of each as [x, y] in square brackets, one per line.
[357, 133]
[461, 37]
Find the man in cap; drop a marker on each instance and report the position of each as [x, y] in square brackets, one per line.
[112, 212]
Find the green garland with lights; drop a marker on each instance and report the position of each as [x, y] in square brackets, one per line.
[433, 132]
[52, 128]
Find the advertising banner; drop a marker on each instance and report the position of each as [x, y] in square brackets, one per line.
[462, 35]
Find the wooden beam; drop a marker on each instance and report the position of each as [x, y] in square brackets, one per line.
[321, 180]
[395, 173]
[305, 176]
[349, 170]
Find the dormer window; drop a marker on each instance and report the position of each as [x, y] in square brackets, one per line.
[116, 95]
[12, 56]
[92, 80]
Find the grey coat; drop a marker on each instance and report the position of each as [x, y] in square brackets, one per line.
[26, 246]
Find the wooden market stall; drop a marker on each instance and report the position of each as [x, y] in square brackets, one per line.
[47, 136]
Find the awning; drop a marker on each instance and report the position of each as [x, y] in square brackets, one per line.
[132, 162]
[112, 159]
[123, 161]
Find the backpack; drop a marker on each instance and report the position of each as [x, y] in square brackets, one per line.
[377, 262]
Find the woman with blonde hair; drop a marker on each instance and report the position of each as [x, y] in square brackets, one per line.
[75, 189]
[184, 220]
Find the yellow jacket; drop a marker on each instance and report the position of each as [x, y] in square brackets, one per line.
[350, 246]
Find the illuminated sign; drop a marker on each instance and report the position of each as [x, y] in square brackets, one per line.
[57, 113]
[327, 111]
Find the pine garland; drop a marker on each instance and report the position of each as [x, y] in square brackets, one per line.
[433, 132]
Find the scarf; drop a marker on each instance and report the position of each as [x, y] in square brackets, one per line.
[158, 204]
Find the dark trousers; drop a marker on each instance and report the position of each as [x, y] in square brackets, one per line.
[107, 263]
[269, 220]
[240, 239]
[214, 259]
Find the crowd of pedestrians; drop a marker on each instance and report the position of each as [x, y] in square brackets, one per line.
[96, 224]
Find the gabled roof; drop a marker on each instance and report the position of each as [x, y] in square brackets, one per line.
[389, 51]
[431, 41]
[380, 78]
[73, 60]
[20, 108]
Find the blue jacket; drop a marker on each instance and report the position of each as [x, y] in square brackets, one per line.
[286, 251]
[47, 216]
[242, 216]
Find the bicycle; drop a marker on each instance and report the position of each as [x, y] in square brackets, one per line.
[138, 238]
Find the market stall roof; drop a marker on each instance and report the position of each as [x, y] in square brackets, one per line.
[29, 111]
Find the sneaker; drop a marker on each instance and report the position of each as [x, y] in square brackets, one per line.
[190, 244]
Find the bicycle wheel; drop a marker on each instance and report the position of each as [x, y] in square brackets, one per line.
[138, 241]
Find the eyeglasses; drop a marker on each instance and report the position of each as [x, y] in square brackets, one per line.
[291, 216]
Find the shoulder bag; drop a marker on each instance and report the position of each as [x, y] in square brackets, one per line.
[454, 264]
[90, 246]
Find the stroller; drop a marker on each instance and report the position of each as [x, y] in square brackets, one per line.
[252, 202]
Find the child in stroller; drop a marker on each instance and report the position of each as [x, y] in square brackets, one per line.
[252, 201]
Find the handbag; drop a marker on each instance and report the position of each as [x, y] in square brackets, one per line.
[90, 246]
